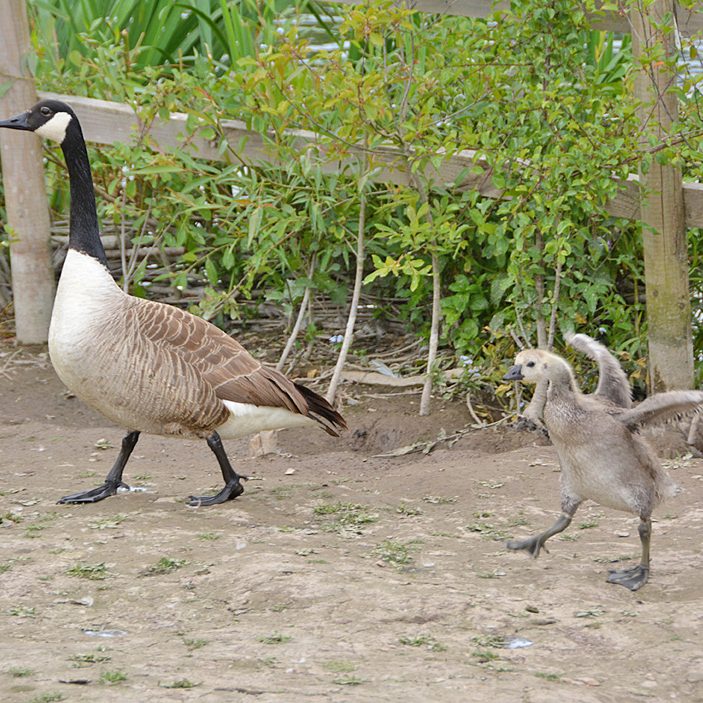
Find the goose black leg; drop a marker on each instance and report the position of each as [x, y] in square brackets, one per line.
[637, 576]
[233, 487]
[113, 480]
[534, 544]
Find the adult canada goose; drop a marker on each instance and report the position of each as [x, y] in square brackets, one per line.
[613, 387]
[602, 456]
[147, 366]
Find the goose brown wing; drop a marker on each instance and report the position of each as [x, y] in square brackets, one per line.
[220, 361]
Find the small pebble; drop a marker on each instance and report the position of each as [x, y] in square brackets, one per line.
[622, 533]
[289, 472]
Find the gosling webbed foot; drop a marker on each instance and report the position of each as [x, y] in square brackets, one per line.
[109, 488]
[231, 490]
[526, 424]
[633, 578]
[533, 545]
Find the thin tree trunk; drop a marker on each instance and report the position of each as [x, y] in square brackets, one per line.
[539, 290]
[555, 307]
[298, 322]
[351, 320]
[434, 335]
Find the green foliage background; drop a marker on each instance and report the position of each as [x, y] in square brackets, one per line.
[543, 100]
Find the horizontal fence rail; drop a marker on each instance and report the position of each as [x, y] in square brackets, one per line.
[107, 122]
[688, 22]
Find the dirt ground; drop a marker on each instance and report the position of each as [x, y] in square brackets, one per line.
[338, 576]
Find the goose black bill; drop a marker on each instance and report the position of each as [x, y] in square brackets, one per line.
[514, 373]
[17, 122]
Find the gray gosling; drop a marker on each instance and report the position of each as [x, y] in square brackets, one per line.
[147, 366]
[613, 387]
[602, 456]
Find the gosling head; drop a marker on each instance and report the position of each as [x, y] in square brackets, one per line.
[532, 365]
[50, 119]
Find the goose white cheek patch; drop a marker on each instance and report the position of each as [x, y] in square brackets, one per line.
[55, 128]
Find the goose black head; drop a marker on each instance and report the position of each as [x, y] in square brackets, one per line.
[48, 118]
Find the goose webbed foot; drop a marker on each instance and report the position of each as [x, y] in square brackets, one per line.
[109, 488]
[633, 578]
[231, 490]
[533, 545]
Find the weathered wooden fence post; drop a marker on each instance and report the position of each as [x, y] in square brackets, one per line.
[662, 204]
[23, 181]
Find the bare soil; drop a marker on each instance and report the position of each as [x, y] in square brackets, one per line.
[338, 576]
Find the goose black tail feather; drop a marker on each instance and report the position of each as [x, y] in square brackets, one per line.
[319, 409]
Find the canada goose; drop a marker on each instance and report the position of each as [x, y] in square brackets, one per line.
[147, 366]
[602, 456]
[613, 386]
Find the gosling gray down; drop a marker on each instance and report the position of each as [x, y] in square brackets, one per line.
[147, 366]
[613, 387]
[602, 456]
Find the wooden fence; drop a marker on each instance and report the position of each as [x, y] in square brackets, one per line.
[665, 205]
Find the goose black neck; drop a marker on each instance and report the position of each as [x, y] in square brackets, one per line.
[84, 232]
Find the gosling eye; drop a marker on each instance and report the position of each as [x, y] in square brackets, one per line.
[45, 110]
[530, 364]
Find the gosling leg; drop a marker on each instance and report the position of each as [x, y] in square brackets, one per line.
[637, 576]
[233, 487]
[534, 544]
[113, 481]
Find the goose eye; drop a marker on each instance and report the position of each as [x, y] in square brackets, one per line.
[530, 364]
[45, 110]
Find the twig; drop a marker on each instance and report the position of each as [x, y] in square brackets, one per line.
[473, 414]
[356, 294]
[555, 306]
[299, 320]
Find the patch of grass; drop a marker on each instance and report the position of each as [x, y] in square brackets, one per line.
[5, 567]
[10, 517]
[279, 607]
[346, 516]
[281, 492]
[395, 553]
[426, 641]
[19, 672]
[339, 666]
[48, 698]
[487, 530]
[142, 477]
[113, 677]
[275, 638]
[194, 644]
[21, 611]
[408, 511]
[108, 523]
[587, 524]
[209, 536]
[440, 500]
[484, 655]
[547, 676]
[34, 530]
[81, 660]
[165, 565]
[181, 683]
[92, 572]
[568, 537]
[494, 641]
[348, 680]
